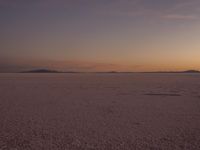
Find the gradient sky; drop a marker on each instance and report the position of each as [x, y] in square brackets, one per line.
[100, 35]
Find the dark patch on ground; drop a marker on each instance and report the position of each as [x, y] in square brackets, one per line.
[162, 94]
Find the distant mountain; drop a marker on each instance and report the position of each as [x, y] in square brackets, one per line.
[191, 71]
[41, 71]
[187, 71]
[47, 71]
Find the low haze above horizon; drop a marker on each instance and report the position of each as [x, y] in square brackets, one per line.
[100, 35]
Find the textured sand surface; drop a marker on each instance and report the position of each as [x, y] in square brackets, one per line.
[99, 111]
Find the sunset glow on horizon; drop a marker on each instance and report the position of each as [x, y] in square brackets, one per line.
[100, 35]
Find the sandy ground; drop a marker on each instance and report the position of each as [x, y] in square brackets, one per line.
[99, 111]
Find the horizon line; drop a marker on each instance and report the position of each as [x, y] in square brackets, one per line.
[113, 72]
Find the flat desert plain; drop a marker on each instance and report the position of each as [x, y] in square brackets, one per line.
[99, 111]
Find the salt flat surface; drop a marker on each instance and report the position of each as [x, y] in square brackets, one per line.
[99, 111]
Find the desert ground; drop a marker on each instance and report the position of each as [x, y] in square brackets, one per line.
[99, 111]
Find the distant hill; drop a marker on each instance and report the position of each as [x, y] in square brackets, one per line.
[187, 71]
[41, 71]
[47, 71]
[191, 71]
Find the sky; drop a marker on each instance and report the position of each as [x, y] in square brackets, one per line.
[100, 35]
